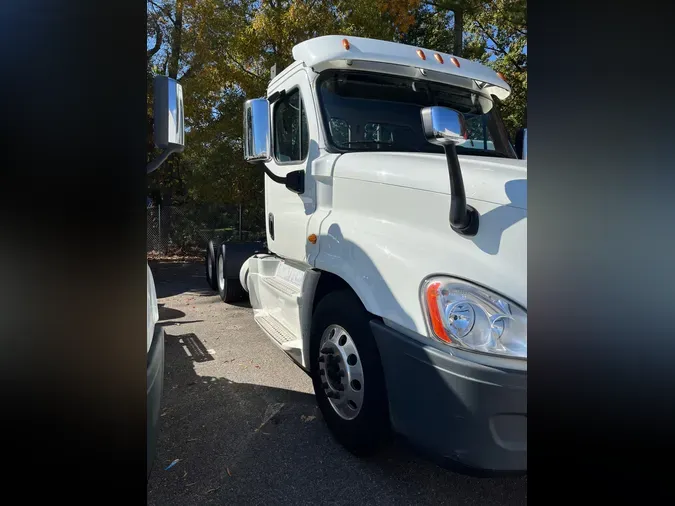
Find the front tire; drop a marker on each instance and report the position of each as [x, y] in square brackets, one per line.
[229, 289]
[347, 374]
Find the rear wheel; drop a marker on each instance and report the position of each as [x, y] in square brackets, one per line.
[210, 263]
[229, 289]
[347, 374]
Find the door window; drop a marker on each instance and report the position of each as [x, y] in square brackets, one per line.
[291, 136]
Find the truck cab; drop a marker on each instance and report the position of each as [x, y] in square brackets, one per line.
[395, 272]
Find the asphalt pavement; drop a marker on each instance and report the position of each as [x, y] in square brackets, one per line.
[239, 423]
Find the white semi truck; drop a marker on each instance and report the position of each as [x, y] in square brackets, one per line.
[395, 266]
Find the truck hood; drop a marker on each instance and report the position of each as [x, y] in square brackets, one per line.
[501, 181]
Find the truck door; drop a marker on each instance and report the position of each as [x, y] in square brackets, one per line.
[294, 146]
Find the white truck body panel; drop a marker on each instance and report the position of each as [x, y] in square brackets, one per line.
[370, 238]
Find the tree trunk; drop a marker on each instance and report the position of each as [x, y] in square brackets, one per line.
[174, 61]
[459, 31]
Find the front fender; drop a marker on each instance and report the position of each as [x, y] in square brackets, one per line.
[385, 247]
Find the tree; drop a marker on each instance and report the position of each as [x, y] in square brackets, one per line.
[502, 24]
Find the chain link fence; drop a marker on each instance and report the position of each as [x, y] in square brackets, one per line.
[187, 228]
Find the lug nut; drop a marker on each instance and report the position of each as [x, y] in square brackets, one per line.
[327, 351]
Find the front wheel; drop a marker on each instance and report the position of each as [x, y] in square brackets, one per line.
[347, 374]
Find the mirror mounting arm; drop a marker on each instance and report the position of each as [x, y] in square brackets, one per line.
[154, 164]
[463, 218]
[294, 180]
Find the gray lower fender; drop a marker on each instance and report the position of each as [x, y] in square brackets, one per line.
[455, 409]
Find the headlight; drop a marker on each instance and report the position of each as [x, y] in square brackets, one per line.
[461, 314]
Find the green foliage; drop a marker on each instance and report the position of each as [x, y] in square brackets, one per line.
[502, 24]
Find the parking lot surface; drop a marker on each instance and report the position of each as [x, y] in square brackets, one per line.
[240, 424]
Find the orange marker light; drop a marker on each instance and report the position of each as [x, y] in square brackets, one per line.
[345, 44]
[501, 76]
[438, 57]
[455, 61]
[421, 54]
[435, 313]
[312, 238]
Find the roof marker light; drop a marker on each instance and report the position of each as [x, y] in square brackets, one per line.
[421, 54]
[454, 61]
[345, 44]
[438, 57]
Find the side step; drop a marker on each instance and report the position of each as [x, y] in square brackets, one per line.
[281, 285]
[276, 330]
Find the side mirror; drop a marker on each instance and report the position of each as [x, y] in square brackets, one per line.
[521, 144]
[169, 119]
[447, 128]
[444, 126]
[257, 144]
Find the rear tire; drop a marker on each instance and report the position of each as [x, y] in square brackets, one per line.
[370, 428]
[210, 264]
[230, 290]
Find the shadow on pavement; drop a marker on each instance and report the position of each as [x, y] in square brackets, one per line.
[251, 444]
[174, 278]
[167, 313]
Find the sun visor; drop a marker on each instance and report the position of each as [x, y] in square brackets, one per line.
[338, 51]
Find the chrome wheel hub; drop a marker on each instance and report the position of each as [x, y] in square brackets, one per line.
[341, 372]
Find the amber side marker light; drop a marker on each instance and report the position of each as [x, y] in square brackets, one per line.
[312, 238]
[434, 312]
[438, 57]
[454, 61]
[501, 76]
[421, 54]
[345, 44]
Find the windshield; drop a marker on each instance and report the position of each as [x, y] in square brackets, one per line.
[363, 111]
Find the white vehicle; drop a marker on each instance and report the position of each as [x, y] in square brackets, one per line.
[169, 134]
[396, 265]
